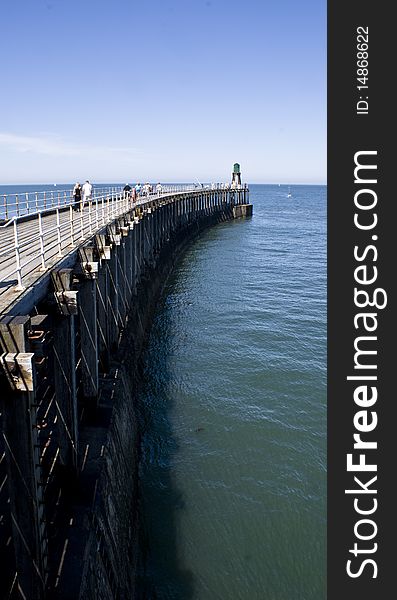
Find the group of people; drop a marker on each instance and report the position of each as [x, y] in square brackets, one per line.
[81, 195]
[142, 190]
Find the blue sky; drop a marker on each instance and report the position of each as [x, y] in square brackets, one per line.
[170, 90]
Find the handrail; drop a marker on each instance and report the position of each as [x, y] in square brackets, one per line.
[55, 230]
[24, 203]
[30, 203]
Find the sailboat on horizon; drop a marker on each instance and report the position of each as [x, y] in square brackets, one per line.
[289, 195]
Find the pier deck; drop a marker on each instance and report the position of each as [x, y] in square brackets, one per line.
[45, 238]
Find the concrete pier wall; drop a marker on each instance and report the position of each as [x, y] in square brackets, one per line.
[71, 365]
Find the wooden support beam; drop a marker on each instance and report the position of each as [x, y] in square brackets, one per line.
[123, 283]
[138, 249]
[129, 242]
[64, 351]
[132, 250]
[102, 318]
[113, 299]
[18, 408]
[88, 325]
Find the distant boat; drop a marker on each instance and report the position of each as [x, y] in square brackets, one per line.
[289, 195]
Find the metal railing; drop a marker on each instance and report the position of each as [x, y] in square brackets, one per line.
[29, 242]
[26, 203]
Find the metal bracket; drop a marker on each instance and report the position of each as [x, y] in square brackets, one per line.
[37, 340]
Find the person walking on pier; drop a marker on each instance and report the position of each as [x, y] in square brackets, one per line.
[87, 192]
[159, 189]
[127, 190]
[77, 196]
[138, 189]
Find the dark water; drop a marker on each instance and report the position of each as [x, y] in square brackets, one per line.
[234, 462]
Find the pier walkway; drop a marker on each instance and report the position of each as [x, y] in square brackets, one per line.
[34, 239]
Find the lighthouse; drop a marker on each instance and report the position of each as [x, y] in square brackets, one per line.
[236, 175]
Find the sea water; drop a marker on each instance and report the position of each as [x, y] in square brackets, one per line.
[233, 472]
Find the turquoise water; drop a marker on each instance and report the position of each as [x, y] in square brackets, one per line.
[233, 469]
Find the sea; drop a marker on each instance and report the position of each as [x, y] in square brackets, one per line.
[233, 471]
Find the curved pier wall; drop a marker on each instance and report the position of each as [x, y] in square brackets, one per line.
[71, 369]
[114, 528]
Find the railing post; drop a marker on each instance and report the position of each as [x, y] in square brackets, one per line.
[96, 215]
[71, 226]
[19, 287]
[41, 237]
[59, 234]
[112, 201]
[103, 210]
[81, 220]
[121, 204]
[90, 216]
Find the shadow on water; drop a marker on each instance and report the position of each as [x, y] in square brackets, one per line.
[161, 574]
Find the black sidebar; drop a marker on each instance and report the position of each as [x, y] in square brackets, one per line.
[362, 324]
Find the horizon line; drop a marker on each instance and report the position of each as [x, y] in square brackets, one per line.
[102, 182]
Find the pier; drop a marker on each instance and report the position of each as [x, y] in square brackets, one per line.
[77, 290]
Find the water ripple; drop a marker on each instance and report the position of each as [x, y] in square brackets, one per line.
[234, 461]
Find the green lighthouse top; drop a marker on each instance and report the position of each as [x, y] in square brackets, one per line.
[236, 168]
